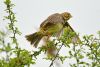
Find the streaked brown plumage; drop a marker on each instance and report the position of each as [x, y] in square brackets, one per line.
[50, 27]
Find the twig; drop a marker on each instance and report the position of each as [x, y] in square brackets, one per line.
[56, 56]
[75, 55]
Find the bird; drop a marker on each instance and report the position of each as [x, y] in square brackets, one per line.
[51, 26]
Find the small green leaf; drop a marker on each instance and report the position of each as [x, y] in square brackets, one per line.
[70, 52]
[7, 2]
[81, 62]
[17, 31]
[80, 56]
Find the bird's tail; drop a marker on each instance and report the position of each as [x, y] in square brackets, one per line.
[34, 38]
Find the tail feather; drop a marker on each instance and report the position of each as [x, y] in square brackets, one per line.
[34, 38]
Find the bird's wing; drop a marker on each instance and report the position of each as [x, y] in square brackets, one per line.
[51, 28]
[68, 25]
[53, 24]
[52, 19]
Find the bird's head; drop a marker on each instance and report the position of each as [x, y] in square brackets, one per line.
[66, 16]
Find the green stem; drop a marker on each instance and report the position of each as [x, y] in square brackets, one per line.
[75, 55]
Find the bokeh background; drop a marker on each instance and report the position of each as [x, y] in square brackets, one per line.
[30, 14]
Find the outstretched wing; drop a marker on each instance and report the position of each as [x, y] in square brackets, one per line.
[76, 37]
